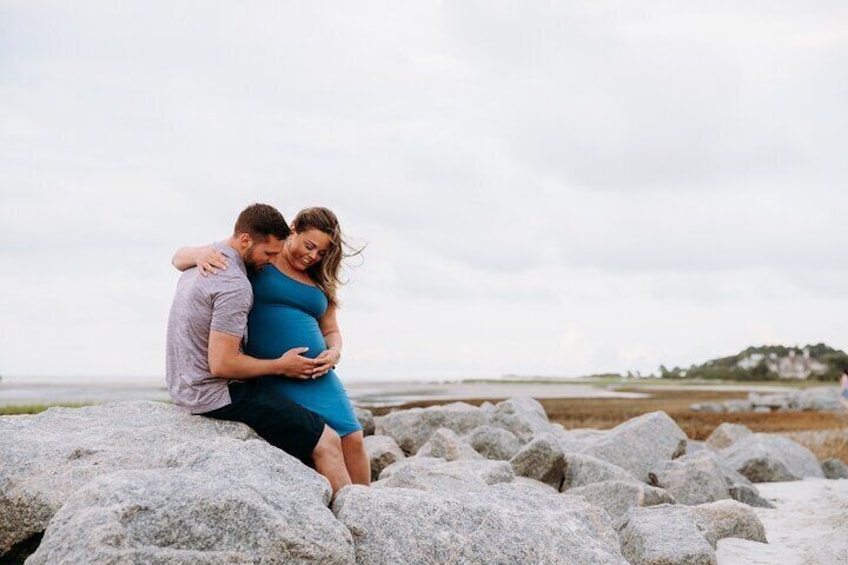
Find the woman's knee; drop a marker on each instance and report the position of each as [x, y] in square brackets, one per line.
[353, 441]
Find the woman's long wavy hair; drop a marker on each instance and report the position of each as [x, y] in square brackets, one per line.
[325, 273]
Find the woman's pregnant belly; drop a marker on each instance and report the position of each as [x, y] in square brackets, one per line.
[273, 330]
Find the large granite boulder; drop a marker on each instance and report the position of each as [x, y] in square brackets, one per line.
[382, 451]
[412, 428]
[692, 479]
[510, 523]
[49, 456]
[834, 468]
[446, 444]
[637, 445]
[494, 443]
[617, 497]
[726, 434]
[522, 415]
[366, 420]
[177, 516]
[540, 459]
[577, 440]
[671, 534]
[581, 469]
[428, 473]
[766, 458]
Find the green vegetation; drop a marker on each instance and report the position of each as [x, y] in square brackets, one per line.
[16, 410]
[817, 362]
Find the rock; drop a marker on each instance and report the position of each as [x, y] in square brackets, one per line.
[748, 494]
[818, 399]
[412, 428]
[695, 446]
[776, 402]
[725, 435]
[382, 451]
[170, 516]
[834, 468]
[445, 444]
[65, 448]
[692, 479]
[366, 420]
[640, 443]
[617, 497]
[580, 469]
[541, 459]
[738, 406]
[428, 471]
[512, 523]
[577, 440]
[765, 458]
[494, 443]
[730, 519]
[711, 407]
[671, 534]
[664, 535]
[522, 415]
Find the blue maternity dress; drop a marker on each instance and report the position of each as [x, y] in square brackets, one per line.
[284, 316]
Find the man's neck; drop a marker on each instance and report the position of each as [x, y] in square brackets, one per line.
[233, 242]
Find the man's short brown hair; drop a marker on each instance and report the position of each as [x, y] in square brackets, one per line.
[261, 221]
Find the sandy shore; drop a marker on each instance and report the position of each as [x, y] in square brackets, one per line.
[809, 526]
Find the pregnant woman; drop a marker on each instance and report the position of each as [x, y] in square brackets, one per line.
[294, 306]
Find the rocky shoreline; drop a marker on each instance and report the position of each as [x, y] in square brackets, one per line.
[141, 482]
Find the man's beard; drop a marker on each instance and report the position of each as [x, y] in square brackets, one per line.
[249, 262]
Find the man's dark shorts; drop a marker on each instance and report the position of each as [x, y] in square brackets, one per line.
[279, 421]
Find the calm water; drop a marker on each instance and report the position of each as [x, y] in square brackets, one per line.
[32, 391]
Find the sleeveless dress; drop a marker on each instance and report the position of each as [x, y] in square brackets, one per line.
[285, 315]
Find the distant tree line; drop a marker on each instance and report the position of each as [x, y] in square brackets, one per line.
[735, 367]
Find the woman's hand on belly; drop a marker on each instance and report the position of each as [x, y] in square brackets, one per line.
[295, 365]
[325, 361]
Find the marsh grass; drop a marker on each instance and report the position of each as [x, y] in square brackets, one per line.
[17, 410]
[605, 413]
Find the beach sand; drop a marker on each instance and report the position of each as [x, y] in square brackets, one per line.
[809, 526]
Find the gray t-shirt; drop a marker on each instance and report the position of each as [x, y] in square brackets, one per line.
[202, 304]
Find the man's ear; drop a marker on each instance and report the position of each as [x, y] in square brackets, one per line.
[245, 241]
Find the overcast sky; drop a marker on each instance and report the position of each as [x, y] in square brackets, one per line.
[544, 188]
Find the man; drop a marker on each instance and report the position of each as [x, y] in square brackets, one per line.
[207, 372]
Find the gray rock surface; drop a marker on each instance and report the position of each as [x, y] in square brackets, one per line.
[49, 456]
[427, 473]
[521, 415]
[540, 459]
[692, 479]
[412, 428]
[637, 445]
[617, 497]
[366, 420]
[176, 516]
[664, 535]
[729, 519]
[382, 451]
[577, 440]
[672, 534]
[834, 468]
[512, 523]
[581, 469]
[446, 444]
[725, 435]
[765, 458]
[494, 443]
